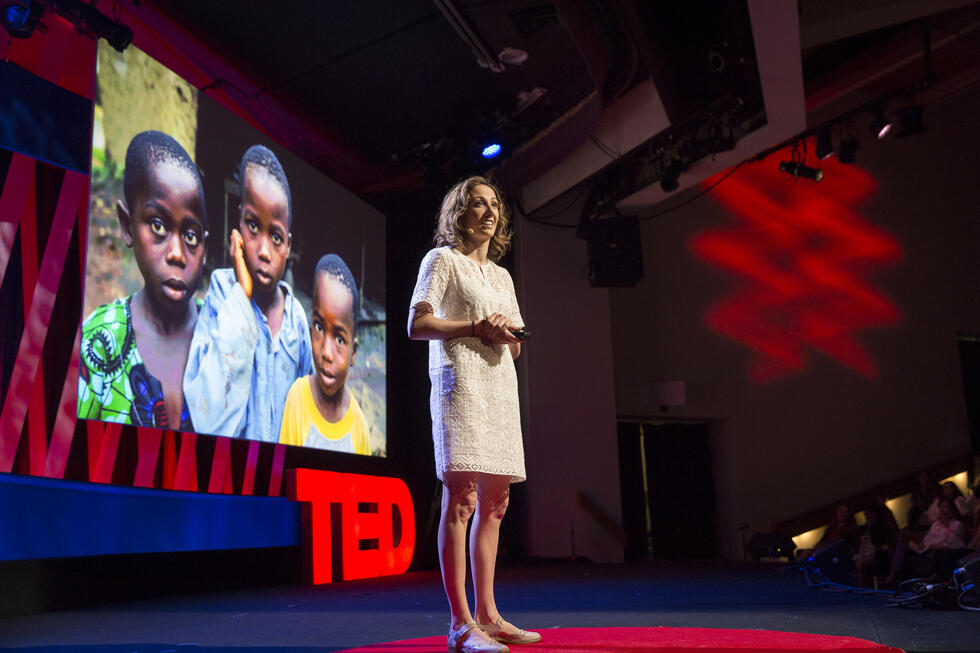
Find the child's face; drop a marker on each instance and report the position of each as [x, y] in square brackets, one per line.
[166, 232]
[332, 333]
[265, 228]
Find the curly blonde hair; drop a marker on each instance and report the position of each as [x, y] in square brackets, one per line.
[450, 232]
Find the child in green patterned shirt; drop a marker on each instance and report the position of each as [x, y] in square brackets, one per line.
[134, 349]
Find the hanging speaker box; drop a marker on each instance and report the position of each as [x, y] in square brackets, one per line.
[615, 255]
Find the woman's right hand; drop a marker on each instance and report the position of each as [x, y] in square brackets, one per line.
[495, 329]
[238, 262]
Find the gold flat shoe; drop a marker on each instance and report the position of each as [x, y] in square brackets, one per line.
[459, 642]
[496, 631]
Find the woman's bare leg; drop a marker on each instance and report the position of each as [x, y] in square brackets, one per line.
[493, 495]
[459, 499]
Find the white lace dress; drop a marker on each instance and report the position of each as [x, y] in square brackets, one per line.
[476, 421]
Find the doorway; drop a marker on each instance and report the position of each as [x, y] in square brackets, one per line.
[667, 489]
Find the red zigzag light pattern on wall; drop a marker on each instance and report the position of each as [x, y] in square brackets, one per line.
[802, 253]
[164, 459]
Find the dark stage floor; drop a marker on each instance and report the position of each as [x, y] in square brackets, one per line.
[548, 595]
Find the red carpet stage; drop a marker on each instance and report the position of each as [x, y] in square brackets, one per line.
[658, 640]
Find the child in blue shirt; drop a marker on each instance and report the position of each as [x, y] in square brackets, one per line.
[252, 339]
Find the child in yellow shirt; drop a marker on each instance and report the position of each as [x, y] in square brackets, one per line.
[320, 411]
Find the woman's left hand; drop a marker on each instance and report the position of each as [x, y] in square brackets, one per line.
[495, 329]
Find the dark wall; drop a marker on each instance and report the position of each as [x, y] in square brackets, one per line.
[831, 427]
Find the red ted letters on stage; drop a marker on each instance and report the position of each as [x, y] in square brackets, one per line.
[368, 505]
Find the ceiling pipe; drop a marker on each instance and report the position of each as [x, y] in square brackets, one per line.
[483, 56]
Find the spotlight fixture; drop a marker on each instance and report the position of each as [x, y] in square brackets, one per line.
[848, 148]
[118, 35]
[512, 56]
[20, 18]
[797, 170]
[491, 150]
[825, 149]
[879, 125]
[89, 20]
[910, 120]
[489, 141]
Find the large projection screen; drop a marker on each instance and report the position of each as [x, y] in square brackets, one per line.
[128, 353]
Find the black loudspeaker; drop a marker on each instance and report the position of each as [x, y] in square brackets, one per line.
[833, 562]
[615, 256]
[969, 567]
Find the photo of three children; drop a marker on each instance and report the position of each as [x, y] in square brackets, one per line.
[243, 362]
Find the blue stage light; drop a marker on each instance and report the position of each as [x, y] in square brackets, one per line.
[15, 15]
[20, 18]
[491, 150]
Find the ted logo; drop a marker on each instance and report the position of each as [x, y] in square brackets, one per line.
[367, 511]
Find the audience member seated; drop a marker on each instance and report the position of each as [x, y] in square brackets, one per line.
[948, 493]
[877, 540]
[923, 494]
[970, 507]
[937, 553]
[842, 528]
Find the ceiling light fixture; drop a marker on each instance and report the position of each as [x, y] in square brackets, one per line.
[796, 166]
[492, 150]
[88, 19]
[20, 18]
[879, 125]
[797, 170]
[512, 56]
